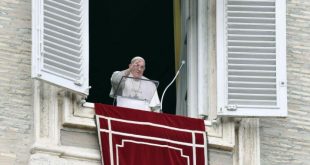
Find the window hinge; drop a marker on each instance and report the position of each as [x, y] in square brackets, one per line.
[78, 83]
[231, 107]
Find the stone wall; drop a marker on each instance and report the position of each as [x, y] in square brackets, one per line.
[16, 114]
[283, 141]
[287, 140]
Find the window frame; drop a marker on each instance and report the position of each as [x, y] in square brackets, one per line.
[221, 131]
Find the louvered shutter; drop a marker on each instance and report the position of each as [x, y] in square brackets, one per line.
[60, 43]
[251, 58]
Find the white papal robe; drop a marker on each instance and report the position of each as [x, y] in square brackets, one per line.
[135, 88]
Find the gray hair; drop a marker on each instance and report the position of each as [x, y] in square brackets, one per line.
[136, 59]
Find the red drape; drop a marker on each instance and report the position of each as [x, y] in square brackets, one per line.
[135, 137]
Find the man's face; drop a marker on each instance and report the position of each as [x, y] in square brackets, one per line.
[138, 68]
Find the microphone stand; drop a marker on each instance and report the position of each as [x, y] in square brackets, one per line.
[176, 75]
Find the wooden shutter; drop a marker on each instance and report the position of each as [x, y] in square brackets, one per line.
[60, 43]
[251, 58]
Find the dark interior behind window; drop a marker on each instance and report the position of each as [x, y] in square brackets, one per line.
[122, 29]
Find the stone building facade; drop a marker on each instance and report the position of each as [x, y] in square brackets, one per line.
[44, 124]
[286, 141]
[16, 85]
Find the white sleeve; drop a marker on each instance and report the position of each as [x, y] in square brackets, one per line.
[155, 103]
[115, 79]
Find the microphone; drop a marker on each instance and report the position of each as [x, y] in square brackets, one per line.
[176, 75]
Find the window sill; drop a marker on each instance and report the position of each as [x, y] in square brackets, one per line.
[220, 134]
[92, 105]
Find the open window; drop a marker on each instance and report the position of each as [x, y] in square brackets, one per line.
[121, 30]
[251, 54]
[68, 54]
